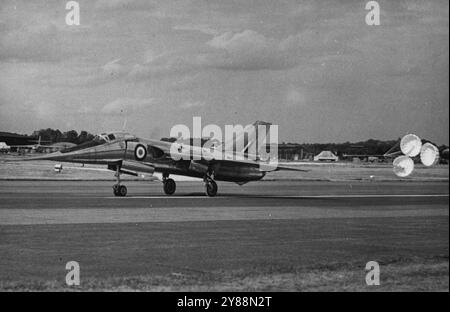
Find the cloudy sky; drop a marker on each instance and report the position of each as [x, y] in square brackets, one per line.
[312, 67]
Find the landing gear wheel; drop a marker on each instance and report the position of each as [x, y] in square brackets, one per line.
[211, 188]
[169, 186]
[116, 189]
[120, 190]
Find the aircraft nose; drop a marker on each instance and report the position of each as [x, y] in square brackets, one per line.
[89, 154]
[68, 156]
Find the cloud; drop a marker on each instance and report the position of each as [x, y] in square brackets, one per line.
[147, 8]
[236, 42]
[85, 110]
[239, 51]
[124, 4]
[295, 97]
[203, 28]
[250, 50]
[114, 69]
[243, 51]
[41, 44]
[46, 41]
[84, 74]
[192, 104]
[164, 65]
[126, 105]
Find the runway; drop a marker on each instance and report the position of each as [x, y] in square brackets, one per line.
[89, 202]
[268, 225]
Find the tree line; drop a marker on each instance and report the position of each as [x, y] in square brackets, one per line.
[53, 136]
[368, 147]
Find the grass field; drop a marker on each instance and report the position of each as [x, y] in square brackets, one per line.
[272, 255]
[36, 170]
[398, 275]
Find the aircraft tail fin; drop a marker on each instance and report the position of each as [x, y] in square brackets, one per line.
[249, 140]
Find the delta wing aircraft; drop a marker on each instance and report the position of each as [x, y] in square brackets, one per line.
[127, 154]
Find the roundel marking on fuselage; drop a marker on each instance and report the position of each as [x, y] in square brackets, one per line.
[140, 152]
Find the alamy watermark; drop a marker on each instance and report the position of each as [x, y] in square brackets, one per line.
[73, 16]
[373, 276]
[73, 276]
[372, 17]
[257, 142]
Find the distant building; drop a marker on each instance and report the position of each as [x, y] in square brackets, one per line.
[59, 146]
[326, 156]
[290, 151]
[4, 148]
[16, 139]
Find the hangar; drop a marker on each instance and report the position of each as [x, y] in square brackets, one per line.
[326, 156]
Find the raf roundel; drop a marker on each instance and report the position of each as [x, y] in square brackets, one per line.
[140, 152]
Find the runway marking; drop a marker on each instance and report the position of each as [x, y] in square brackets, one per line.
[286, 196]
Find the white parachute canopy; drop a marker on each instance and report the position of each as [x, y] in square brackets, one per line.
[403, 166]
[429, 154]
[410, 145]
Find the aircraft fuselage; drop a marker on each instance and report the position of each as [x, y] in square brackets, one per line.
[157, 159]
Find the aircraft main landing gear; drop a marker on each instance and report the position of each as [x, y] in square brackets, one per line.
[118, 189]
[211, 188]
[210, 185]
[169, 185]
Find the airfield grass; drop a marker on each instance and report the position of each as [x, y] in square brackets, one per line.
[44, 170]
[414, 274]
[284, 255]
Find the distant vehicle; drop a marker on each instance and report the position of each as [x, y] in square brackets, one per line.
[4, 148]
[326, 156]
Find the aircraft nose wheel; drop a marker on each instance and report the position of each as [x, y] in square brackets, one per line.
[169, 186]
[120, 190]
[211, 188]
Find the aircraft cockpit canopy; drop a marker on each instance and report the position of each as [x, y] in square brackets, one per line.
[113, 136]
[101, 139]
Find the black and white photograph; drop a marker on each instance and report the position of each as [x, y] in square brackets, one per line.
[224, 151]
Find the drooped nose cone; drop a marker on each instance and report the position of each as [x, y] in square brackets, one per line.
[96, 152]
[87, 153]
